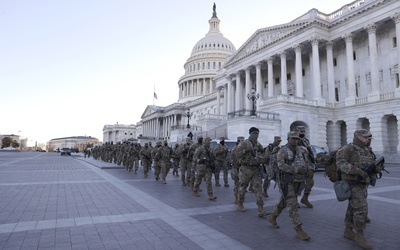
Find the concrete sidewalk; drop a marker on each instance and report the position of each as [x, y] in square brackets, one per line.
[53, 202]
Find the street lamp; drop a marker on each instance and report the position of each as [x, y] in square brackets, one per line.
[188, 115]
[253, 97]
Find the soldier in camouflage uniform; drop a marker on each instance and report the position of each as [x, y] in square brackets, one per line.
[292, 174]
[205, 164]
[176, 159]
[185, 162]
[221, 153]
[250, 153]
[270, 150]
[155, 154]
[304, 143]
[145, 156]
[136, 157]
[351, 159]
[235, 167]
[165, 160]
[191, 151]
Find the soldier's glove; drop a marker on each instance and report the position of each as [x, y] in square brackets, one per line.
[301, 170]
[310, 173]
[362, 174]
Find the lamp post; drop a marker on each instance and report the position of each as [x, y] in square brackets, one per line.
[253, 97]
[188, 115]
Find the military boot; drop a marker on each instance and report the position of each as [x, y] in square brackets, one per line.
[261, 211]
[305, 201]
[301, 234]
[348, 233]
[240, 207]
[272, 220]
[361, 241]
[212, 197]
[217, 183]
[195, 193]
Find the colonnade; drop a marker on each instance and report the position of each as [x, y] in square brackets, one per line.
[236, 91]
[195, 87]
[159, 127]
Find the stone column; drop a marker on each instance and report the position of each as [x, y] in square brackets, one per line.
[351, 91]
[299, 71]
[316, 69]
[396, 19]
[218, 101]
[248, 103]
[237, 92]
[211, 85]
[373, 56]
[225, 106]
[259, 84]
[229, 96]
[331, 76]
[270, 61]
[283, 55]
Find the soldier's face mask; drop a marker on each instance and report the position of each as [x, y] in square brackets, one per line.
[165, 144]
[253, 136]
[222, 142]
[302, 134]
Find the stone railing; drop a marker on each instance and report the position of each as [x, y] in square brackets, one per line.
[202, 99]
[212, 116]
[361, 100]
[290, 99]
[344, 10]
[259, 114]
[386, 96]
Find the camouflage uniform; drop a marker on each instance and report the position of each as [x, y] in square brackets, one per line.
[205, 161]
[185, 162]
[250, 152]
[145, 156]
[221, 153]
[191, 151]
[176, 159]
[270, 150]
[136, 158]
[155, 154]
[351, 159]
[304, 143]
[292, 166]
[235, 167]
[165, 160]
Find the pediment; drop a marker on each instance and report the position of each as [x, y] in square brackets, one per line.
[265, 37]
[150, 109]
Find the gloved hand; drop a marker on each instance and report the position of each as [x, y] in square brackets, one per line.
[310, 173]
[301, 170]
[363, 174]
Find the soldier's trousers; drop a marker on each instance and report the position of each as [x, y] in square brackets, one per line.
[249, 174]
[357, 208]
[157, 169]
[266, 183]
[221, 165]
[203, 170]
[176, 165]
[192, 177]
[185, 171]
[165, 165]
[235, 178]
[146, 164]
[309, 183]
[290, 202]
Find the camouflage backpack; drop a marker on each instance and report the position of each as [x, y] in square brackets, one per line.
[331, 169]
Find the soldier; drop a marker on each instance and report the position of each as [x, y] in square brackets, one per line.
[155, 154]
[235, 167]
[191, 151]
[250, 152]
[136, 157]
[270, 150]
[221, 153]
[205, 165]
[176, 158]
[304, 143]
[145, 156]
[293, 168]
[351, 159]
[185, 162]
[165, 160]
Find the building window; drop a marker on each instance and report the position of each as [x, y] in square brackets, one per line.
[125, 133]
[289, 76]
[213, 65]
[209, 65]
[204, 65]
[219, 65]
[198, 66]
[394, 42]
[303, 72]
[334, 62]
[337, 94]
[277, 80]
[397, 80]
[130, 133]
[354, 55]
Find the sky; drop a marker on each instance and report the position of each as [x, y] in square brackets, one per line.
[69, 67]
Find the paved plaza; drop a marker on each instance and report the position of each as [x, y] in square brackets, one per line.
[48, 201]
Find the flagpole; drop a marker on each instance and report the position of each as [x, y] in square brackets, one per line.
[154, 91]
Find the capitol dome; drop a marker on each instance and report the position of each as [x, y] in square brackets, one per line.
[207, 57]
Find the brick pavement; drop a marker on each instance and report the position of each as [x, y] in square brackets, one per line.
[48, 201]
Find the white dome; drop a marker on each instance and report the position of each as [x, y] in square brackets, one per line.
[213, 42]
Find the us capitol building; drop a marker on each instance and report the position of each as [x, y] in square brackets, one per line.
[331, 73]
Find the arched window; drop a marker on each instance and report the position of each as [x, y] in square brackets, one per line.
[219, 65]
[213, 65]
[209, 65]
[198, 66]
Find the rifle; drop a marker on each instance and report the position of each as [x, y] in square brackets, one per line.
[370, 168]
[212, 160]
[285, 179]
[310, 154]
